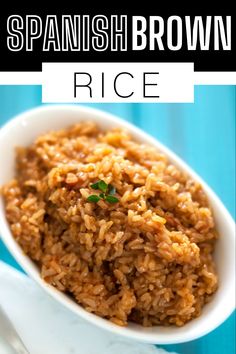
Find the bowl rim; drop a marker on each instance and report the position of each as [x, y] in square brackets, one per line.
[32, 270]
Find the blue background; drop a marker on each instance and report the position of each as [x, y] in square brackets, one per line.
[203, 134]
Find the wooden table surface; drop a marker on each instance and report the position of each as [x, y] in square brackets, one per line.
[203, 134]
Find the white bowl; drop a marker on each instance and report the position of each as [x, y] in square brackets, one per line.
[22, 130]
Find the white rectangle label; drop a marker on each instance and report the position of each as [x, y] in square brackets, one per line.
[117, 82]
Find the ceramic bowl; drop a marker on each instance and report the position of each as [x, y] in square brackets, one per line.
[23, 129]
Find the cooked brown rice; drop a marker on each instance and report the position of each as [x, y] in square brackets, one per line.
[147, 258]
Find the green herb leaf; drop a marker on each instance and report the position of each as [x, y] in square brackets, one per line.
[107, 194]
[94, 185]
[102, 186]
[93, 198]
[111, 189]
[111, 199]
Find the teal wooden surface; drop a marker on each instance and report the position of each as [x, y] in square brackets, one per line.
[203, 134]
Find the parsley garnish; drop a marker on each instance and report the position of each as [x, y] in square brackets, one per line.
[107, 194]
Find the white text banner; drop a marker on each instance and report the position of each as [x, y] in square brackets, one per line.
[117, 82]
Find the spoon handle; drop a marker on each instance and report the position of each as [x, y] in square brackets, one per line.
[9, 333]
